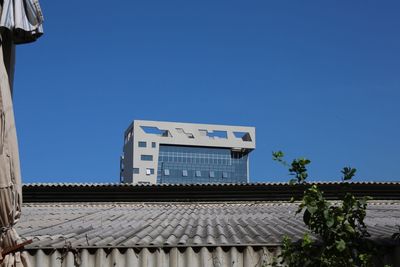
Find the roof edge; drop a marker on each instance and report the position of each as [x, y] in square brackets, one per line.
[66, 192]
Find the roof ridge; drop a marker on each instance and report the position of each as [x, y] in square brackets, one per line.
[199, 184]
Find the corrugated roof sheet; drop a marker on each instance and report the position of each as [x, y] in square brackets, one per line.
[173, 257]
[61, 192]
[27, 185]
[148, 257]
[55, 225]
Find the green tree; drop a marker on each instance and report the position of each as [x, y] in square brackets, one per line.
[338, 234]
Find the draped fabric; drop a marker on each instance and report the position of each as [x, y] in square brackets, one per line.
[23, 18]
[20, 22]
[10, 178]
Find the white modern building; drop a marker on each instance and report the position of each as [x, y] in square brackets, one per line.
[158, 152]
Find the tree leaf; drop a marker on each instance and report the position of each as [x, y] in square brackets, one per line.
[326, 214]
[330, 221]
[348, 173]
[340, 245]
[277, 155]
[306, 240]
[306, 217]
[349, 228]
[312, 208]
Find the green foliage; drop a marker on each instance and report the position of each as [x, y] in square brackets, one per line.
[297, 168]
[348, 173]
[396, 236]
[340, 235]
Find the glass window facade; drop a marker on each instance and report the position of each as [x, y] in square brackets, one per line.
[215, 165]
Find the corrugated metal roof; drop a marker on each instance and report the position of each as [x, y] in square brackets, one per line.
[123, 225]
[27, 185]
[61, 192]
[187, 257]
[174, 257]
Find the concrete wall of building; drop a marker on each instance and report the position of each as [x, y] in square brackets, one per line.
[175, 133]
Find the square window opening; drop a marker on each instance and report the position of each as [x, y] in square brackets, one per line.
[142, 144]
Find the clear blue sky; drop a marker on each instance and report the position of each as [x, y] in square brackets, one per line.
[319, 79]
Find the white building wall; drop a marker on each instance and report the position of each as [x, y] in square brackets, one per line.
[186, 134]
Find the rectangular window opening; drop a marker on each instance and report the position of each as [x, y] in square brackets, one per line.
[156, 131]
[142, 144]
[245, 136]
[217, 134]
[146, 157]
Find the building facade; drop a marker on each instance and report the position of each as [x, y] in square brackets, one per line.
[174, 153]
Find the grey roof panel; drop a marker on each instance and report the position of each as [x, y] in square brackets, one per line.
[53, 225]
